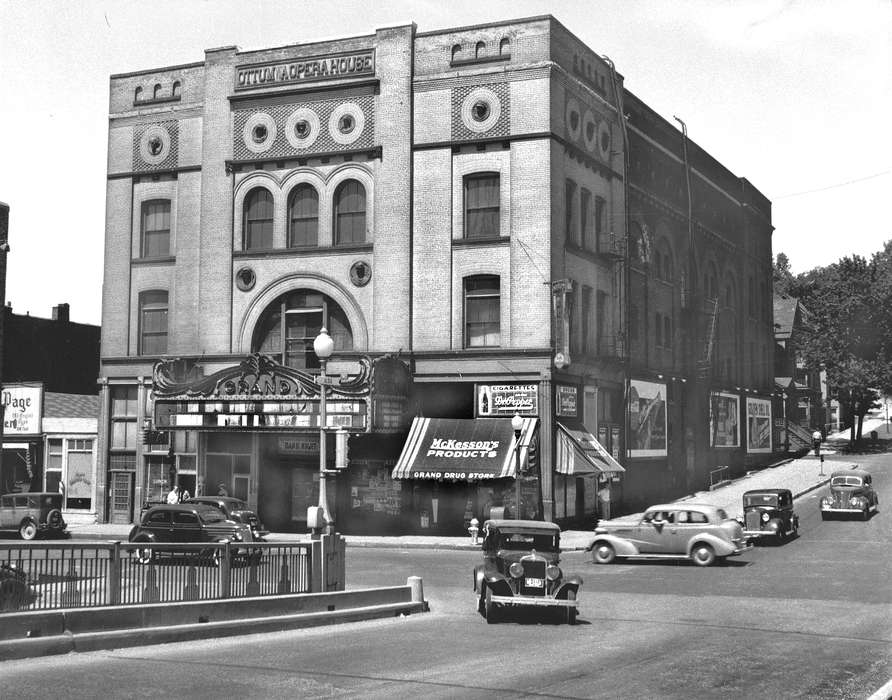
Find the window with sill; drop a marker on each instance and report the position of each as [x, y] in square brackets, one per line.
[289, 325]
[481, 199]
[153, 322]
[258, 219]
[155, 228]
[349, 213]
[303, 216]
[482, 311]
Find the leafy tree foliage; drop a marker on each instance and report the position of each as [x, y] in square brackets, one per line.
[850, 326]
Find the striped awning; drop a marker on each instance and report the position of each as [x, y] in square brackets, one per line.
[579, 452]
[463, 450]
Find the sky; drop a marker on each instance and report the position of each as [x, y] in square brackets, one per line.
[793, 95]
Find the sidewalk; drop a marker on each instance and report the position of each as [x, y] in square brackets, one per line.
[799, 475]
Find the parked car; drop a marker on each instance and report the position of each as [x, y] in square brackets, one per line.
[33, 513]
[769, 513]
[699, 532]
[851, 491]
[520, 569]
[15, 591]
[234, 509]
[187, 523]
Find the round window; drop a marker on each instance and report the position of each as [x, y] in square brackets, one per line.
[480, 111]
[302, 128]
[346, 124]
[155, 145]
[259, 133]
[245, 279]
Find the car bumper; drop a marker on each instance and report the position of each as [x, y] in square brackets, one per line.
[542, 602]
[760, 533]
[742, 548]
[834, 509]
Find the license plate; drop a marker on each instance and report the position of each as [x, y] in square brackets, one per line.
[535, 583]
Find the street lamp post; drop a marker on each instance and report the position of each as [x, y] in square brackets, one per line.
[517, 426]
[323, 346]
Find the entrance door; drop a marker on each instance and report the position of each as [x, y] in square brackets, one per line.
[240, 484]
[121, 505]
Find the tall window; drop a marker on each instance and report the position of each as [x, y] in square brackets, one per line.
[482, 205]
[600, 223]
[349, 213]
[303, 216]
[569, 209]
[482, 312]
[155, 228]
[587, 344]
[153, 323]
[586, 221]
[259, 212]
[667, 332]
[601, 321]
[122, 443]
[289, 325]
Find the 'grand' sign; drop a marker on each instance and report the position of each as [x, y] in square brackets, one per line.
[305, 70]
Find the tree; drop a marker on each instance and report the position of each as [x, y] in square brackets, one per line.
[850, 330]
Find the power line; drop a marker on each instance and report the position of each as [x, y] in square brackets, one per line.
[831, 187]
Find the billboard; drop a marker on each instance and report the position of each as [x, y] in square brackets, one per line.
[758, 425]
[724, 419]
[647, 419]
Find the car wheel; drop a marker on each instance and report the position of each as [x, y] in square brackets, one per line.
[571, 612]
[145, 555]
[28, 530]
[865, 513]
[489, 608]
[702, 554]
[603, 553]
[481, 602]
[795, 529]
[781, 535]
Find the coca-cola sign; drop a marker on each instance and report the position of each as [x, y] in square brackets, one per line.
[506, 400]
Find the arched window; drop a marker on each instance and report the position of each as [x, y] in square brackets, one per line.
[303, 216]
[479, 50]
[482, 205]
[175, 90]
[289, 325]
[504, 46]
[456, 50]
[663, 265]
[482, 311]
[157, 92]
[137, 94]
[349, 213]
[155, 228]
[153, 322]
[258, 226]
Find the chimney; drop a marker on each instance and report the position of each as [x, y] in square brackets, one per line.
[60, 313]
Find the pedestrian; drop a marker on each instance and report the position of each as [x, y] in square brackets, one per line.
[185, 495]
[174, 495]
[222, 490]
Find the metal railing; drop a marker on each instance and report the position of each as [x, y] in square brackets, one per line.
[717, 477]
[49, 576]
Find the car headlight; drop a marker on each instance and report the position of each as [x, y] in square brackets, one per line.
[827, 501]
[856, 502]
[237, 536]
[764, 517]
[516, 570]
[553, 573]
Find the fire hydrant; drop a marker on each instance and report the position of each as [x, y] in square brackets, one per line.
[474, 530]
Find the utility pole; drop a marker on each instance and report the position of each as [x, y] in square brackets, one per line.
[4, 249]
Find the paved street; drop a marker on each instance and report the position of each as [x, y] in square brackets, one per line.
[810, 619]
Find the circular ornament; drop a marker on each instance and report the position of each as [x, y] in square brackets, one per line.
[302, 127]
[259, 133]
[360, 273]
[245, 279]
[480, 110]
[154, 144]
[346, 123]
[590, 131]
[572, 119]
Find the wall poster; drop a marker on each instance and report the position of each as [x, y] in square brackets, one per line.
[724, 419]
[647, 419]
[758, 425]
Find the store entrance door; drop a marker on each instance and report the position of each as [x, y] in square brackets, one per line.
[121, 506]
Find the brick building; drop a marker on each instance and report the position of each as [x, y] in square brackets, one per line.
[450, 202]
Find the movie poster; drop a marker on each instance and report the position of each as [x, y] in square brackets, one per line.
[758, 425]
[724, 420]
[647, 419]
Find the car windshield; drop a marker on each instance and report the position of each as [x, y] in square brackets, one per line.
[846, 481]
[527, 540]
[760, 499]
[211, 515]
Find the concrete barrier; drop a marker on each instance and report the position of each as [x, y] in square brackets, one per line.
[28, 634]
